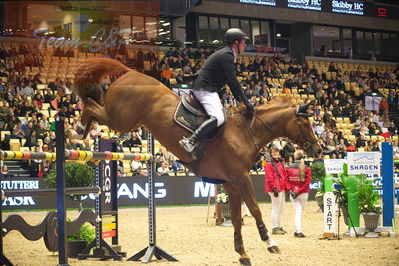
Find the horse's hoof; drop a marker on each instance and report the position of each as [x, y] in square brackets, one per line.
[274, 249]
[245, 261]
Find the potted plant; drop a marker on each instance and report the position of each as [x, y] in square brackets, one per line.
[368, 202]
[318, 174]
[79, 241]
[77, 175]
[343, 181]
[223, 199]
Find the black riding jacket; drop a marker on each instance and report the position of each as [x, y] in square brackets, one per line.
[218, 70]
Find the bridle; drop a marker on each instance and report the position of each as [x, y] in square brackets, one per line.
[307, 143]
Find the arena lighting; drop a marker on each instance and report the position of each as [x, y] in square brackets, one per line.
[278, 34]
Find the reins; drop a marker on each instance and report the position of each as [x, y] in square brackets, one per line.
[249, 127]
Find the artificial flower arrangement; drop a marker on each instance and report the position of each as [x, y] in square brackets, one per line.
[222, 197]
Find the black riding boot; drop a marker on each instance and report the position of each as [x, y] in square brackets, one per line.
[189, 144]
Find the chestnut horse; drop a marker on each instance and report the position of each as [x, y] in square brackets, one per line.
[136, 99]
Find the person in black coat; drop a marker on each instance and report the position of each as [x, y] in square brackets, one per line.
[218, 70]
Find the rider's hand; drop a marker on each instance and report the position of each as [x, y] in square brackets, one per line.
[250, 107]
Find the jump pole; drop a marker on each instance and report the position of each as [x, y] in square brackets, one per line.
[61, 212]
[152, 249]
[388, 187]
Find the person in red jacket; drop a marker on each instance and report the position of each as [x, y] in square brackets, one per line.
[298, 177]
[275, 185]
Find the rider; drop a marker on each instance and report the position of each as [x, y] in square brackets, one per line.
[218, 70]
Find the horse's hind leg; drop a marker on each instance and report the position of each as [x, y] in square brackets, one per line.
[235, 207]
[248, 195]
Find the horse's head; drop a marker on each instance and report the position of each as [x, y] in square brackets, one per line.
[299, 130]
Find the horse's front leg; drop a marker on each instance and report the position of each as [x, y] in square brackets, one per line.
[248, 195]
[235, 207]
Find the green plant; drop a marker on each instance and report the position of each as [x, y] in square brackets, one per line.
[86, 233]
[368, 197]
[76, 175]
[318, 174]
[343, 181]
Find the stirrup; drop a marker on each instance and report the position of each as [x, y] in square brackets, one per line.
[188, 145]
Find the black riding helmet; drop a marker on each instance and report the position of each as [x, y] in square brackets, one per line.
[234, 34]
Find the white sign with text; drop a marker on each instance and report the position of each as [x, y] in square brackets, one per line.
[367, 163]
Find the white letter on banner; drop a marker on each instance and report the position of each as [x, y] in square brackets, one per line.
[161, 192]
[124, 191]
[202, 189]
[137, 188]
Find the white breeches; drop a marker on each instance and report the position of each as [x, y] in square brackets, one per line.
[299, 205]
[212, 104]
[277, 208]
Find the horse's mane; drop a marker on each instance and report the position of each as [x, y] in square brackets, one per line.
[281, 101]
[278, 102]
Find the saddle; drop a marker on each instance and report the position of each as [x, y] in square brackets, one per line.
[190, 114]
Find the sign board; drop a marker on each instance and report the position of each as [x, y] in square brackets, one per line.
[372, 103]
[305, 4]
[334, 166]
[330, 229]
[367, 163]
[348, 7]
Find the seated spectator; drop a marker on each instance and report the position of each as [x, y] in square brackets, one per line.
[374, 129]
[95, 131]
[133, 141]
[17, 132]
[163, 170]
[393, 129]
[360, 142]
[4, 172]
[36, 166]
[179, 77]
[19, 66]
[38, 79]
[31, 140]
[74, 145]
[166, 74]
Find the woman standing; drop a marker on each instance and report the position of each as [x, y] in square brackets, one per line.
[298, 177]
[275, 185]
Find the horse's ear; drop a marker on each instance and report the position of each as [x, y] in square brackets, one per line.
[303, 109]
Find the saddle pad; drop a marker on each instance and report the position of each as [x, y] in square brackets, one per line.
[186, 119]
[212, 181]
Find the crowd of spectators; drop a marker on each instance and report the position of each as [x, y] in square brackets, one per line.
[27, 112]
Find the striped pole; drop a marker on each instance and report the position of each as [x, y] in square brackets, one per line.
[75, 155]
[51, 191]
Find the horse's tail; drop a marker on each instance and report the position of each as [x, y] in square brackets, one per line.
[90, 74]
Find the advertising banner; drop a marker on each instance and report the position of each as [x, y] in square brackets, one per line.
[334, 166]
[133, 191]
[367, 163]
